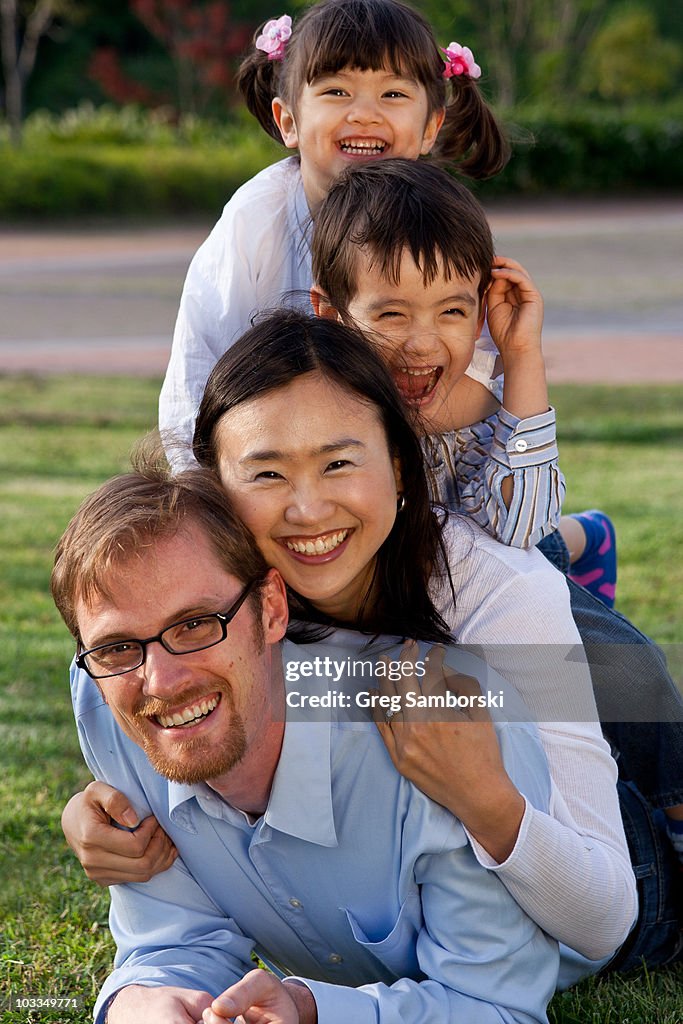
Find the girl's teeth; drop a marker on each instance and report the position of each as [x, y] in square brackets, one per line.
[319, 546]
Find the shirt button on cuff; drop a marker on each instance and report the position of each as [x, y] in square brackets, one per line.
[335, 958]
[521, 445]
[294, 902]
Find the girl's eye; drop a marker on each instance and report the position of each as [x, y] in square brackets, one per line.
[454, 312]
[335, 91]
[395, 94]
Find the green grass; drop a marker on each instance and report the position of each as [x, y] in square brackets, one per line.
[60, 437]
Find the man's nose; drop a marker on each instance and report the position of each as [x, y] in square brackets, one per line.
[164, 674]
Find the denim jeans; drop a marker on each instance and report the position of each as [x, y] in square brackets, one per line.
[631, 683]
[657, 937]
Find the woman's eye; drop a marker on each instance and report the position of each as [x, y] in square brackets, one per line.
[338, 464]
[454, 312]
[268, 474]
[389, 314]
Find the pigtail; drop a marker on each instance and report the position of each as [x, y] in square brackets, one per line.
[471, 136]
[258, 83]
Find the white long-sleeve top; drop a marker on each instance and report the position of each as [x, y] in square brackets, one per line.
[570, 869]
[257, 257]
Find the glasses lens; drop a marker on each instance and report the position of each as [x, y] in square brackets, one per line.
[194, 634]
[114, 658]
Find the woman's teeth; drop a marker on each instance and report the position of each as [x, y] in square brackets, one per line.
[319, 546]
[191, 714]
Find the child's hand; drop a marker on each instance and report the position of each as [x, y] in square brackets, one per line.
[515, 309]
[261, 997]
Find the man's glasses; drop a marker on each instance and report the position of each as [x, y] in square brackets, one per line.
[185, 637]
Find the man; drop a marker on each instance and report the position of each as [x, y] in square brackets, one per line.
[296, 836]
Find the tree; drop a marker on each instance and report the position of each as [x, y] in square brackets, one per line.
[627, 59]
[201, 37]
[22, 26]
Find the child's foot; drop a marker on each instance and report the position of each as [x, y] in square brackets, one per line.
[596, 569]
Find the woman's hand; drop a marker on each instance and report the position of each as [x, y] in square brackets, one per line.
[110, 855]
[453, 755]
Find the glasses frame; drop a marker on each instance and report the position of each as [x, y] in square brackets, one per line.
[224, 619]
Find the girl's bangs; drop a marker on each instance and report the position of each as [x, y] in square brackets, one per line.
[407, 50]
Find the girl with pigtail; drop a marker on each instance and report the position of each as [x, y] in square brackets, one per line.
[350, 81]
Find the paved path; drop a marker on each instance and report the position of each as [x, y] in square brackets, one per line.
[97, 301]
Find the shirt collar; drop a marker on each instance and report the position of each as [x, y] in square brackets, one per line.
[300, 802]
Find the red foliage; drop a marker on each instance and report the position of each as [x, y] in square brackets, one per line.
[198, 35]
[105, 69]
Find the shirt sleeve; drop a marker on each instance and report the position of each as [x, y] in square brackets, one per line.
[570, 869]
[482, 957]
[168, 932]
[483, 456]
[243, 268]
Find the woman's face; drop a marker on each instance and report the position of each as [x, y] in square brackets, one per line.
[309, 470]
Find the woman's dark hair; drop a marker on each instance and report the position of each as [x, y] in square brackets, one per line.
[287, 344]
[371, 35]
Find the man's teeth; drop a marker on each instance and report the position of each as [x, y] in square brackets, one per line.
[319, 546]
[361, 147]
[191, 714]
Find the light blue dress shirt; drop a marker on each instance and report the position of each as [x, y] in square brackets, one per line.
[352, 879]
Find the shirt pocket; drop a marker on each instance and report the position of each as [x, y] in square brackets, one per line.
[397, 949]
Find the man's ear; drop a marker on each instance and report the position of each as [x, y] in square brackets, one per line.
[284, 119]
[274, 608]
[322, 305]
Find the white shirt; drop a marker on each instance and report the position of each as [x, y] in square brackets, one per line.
[570, 869]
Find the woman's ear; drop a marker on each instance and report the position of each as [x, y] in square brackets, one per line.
[274, 607]
[322, 306]
[284, 119]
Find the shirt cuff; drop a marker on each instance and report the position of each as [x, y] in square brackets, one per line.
[527, 442]
[339, 1004]
[486, 860]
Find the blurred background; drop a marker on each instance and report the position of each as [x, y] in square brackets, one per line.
[142, 93]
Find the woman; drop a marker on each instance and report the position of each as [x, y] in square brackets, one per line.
[304, 426]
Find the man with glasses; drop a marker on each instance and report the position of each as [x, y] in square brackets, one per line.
[296, 836]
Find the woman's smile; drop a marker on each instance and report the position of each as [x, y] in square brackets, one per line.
[309, 470]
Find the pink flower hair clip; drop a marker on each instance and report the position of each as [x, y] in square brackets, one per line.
[274, 37]
[460, 61]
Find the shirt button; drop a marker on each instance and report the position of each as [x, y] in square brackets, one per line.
[521, 445]
[294, 902]
[335, 958]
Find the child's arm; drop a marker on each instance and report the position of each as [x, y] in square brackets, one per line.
[515, 319]
[503, 471]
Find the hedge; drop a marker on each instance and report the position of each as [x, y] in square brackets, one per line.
[61, 172]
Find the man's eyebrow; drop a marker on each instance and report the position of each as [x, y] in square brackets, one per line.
[204, 606]
[279, 455]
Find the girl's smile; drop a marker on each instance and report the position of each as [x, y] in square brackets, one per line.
[354, 115]
[310, 473]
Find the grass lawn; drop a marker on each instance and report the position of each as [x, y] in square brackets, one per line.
[59, 438]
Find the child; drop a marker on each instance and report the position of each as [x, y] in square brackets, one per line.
[404, 252]
[352, 81]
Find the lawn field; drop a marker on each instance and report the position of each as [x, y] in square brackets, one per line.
[59, 438]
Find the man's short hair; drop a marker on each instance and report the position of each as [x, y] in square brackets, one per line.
[129, 513]
[393, 206]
